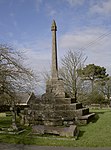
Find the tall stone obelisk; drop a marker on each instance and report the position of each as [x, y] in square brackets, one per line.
[54, 69]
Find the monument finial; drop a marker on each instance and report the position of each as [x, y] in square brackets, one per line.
[53, 27]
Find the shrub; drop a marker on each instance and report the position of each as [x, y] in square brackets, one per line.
[92, 98]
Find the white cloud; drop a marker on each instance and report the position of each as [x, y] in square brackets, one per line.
[37, 60]
[101, 7]
[80, 38]
[75, 2]
[92, 42]
[37, 53]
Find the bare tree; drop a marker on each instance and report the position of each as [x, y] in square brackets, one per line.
[14, 77]
[72, 62]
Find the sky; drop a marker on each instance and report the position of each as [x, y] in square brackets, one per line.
[82, 25]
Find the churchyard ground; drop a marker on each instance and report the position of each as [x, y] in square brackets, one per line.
[96, 134]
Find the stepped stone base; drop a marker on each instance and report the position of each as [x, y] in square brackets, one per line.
[82, 111]
[55, 114]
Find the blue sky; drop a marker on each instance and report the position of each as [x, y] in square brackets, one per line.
[26, 24]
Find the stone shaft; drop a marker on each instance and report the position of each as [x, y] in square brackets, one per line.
[54, 69]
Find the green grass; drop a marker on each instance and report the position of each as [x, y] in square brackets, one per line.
[5, 121]
[2, 114]
[96, 134]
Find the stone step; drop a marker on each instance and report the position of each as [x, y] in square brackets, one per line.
[46, 107]
[82, 111]
[66, 107]
[73, 100]
[55, 114]
[63, 100]
[86, 118]
[59, 107]
[43, 107]
[75, 106]
[65, 114]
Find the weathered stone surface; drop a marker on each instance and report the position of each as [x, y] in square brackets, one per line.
[62, 100]
[56, 87]
[38, 129]
[86, 118]
[54, 68]
[70, 131]
[76, 106]
[82, 111]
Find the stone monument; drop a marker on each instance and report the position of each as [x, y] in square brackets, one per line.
[54, 113]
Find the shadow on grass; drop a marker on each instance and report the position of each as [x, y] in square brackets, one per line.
[96, 117]
[80, 134]
[4, 122]
[92, 120]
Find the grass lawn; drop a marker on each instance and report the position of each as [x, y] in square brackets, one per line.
[96, 134]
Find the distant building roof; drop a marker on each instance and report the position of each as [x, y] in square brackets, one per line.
[23, 98]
